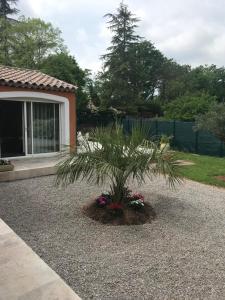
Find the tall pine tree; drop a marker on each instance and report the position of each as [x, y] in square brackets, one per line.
[119, 59]
[6, 8]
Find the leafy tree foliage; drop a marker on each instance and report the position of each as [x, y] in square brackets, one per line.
[92, 89]
[33, 41]
[132, 70]
[65, 67]
[179, 80]
[213, 121]
[150, 109]
[173, 81]
[7, 8]
[210, 79]
[136, 77]
[188, 107]
[147, 66]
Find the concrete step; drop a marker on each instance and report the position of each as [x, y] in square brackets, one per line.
[28, 173]
[28, 168]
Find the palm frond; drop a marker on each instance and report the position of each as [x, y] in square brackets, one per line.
[118, 157]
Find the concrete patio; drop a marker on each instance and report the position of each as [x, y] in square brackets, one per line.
[24, 275]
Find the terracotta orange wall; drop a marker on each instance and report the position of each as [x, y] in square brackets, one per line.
[72, 107]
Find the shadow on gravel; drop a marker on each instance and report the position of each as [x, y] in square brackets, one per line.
[176, 213]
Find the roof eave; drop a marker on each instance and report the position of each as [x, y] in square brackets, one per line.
[37, 87]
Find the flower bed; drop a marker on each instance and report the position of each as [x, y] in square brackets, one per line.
[132, 210]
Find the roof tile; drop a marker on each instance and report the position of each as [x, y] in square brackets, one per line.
[18, 77]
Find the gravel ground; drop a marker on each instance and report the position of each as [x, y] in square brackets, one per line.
[180, 255]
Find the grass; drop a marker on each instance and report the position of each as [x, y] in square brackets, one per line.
[205, 168]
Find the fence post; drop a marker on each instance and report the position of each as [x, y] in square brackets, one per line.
[156, 127]
[174, 134]
[221, 149]
[141, 122]
[196, 141]
[127, 125]
[174, 130]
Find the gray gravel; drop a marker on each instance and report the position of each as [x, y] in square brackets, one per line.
[181, 255]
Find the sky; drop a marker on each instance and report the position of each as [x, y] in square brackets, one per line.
[189, 31]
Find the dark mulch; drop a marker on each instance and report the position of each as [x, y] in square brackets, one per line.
[124, 216]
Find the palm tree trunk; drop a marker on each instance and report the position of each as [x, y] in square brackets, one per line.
[118, 190]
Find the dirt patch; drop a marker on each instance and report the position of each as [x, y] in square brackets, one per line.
[182, 162]
[124, 216]
[221, 177]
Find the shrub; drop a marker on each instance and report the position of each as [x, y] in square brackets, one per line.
[188, 107]
[213, 121]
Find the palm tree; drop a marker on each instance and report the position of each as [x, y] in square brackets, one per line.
[116, 158]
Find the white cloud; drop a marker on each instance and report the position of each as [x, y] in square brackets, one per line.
[190, 31]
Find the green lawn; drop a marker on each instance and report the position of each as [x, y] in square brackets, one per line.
[205, 170]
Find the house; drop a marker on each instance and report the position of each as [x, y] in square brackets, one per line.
[37, 113]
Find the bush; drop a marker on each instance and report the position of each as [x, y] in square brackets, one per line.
[213, 121]
[102, 117]
[150, 109]
[188, 107]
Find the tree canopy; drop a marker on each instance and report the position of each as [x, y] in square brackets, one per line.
[33, 41]
[7, 8]
[65, 67]
[213, 121]
[135, 76]
[35, 44]
[188, 107]
[118, 60]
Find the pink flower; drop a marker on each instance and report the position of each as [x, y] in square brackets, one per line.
[101, 201]
[138, 196]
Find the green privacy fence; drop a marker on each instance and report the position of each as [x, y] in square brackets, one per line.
[185, 138]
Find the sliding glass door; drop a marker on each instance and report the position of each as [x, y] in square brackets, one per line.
[42, 133]
[28, 128]
[11, 129]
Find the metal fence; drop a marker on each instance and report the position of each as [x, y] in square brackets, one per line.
[184, 137]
